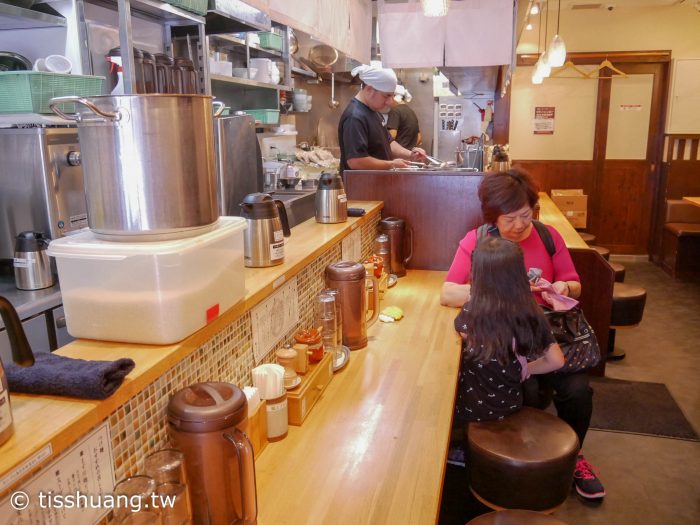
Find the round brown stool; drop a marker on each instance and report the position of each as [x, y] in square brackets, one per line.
[515, 517]
[525, 461]
[588, 238]
[619, 271]
[604, 252]
[627, 311]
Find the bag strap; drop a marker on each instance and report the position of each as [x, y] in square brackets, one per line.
[491, 229]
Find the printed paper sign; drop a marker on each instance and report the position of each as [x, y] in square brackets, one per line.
[543, 123]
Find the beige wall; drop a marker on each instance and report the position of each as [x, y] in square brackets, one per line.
[625, 29]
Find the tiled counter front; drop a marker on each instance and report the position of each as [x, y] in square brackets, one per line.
[139, 427]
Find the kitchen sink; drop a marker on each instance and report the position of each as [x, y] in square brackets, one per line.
[300, 204]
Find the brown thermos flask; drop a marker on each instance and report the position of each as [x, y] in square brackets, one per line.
[348, 277]
[400, 235]
[208, 423]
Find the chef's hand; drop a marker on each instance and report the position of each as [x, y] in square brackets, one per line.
[399, 163]
[418, 155]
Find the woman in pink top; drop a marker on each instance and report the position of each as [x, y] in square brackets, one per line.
[508, 200]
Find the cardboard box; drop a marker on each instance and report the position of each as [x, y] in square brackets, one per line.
[570, 200]
[576, 218]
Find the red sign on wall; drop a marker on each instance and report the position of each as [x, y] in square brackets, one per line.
[543, 123]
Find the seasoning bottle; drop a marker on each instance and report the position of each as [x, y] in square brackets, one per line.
[311, 337]
[277, 417]
[287, 358]
[301, 366]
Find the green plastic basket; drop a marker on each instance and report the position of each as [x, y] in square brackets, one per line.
[198, 7]
[270, 41]
[31, 91]
[265, 116]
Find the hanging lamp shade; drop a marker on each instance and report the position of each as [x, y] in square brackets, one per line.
[536, 79]
[435, 7]
[542, 67]
[557, 52]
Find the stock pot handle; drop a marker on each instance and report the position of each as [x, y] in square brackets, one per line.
[218, 107]
[54, 102]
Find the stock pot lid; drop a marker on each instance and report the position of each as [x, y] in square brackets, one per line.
[208, 406]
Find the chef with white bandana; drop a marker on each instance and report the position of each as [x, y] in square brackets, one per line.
[365, 144]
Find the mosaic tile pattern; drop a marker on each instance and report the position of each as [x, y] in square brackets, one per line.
[139, 427]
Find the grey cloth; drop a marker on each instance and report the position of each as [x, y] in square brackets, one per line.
[57, 375]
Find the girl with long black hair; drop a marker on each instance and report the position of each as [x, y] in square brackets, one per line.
[503, 328]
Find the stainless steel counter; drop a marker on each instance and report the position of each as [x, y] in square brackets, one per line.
[28, 303]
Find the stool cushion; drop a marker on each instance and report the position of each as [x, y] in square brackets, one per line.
[682, 229]
[619, 271]
[525, 461]
[515, 517]
[588, 238]
[628, 305]
[604, 252]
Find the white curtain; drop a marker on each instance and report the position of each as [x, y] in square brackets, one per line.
[409, 39]
[479, 33]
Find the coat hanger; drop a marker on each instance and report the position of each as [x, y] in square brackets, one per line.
[569, 65]
[606, 63]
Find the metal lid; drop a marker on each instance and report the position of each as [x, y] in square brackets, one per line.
[259, 206]
[345, 271]
[206, 407]
[330, 181]
[392, 223]
[31, 242]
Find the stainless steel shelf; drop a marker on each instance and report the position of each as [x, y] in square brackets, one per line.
[240, 42]
[303, 72]
[154, 10]
[13, 17]
[248, 83]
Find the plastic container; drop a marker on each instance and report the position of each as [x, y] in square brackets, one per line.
[265, 116]
[31, 91]
[269, 40]
[149, 292]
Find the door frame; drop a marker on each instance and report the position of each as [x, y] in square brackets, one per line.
[633, 62]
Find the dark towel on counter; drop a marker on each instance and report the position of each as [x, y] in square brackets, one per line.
[57, 375]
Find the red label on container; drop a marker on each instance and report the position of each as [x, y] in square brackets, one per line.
[212, 313]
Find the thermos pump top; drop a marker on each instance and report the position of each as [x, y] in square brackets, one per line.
[31, 262]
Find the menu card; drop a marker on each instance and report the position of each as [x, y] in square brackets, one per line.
[75, 489]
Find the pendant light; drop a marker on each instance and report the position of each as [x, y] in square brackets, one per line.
[435, 7]
[557, 51]
[542, 68]
[537, 77]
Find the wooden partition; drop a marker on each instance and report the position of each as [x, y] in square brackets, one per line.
[441, 208]
[680, 177]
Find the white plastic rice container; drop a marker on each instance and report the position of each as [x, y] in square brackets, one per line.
[149, 292]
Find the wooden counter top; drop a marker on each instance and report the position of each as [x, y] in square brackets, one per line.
[692, 200]
[373, 449]
[48, 425]
[550, 214]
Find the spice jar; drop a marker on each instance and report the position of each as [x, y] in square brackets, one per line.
[302, 363]
[377, 265]
[311, 337]
[287, 358]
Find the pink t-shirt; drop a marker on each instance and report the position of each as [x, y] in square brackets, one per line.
[560, 267]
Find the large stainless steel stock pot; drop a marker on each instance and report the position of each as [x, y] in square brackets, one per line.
[148, 163]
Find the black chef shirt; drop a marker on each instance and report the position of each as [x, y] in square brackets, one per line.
[362, 134]
[405, 122]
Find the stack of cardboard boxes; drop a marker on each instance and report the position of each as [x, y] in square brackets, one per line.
[573, 204]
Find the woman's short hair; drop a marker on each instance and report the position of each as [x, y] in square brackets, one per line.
[505, 192]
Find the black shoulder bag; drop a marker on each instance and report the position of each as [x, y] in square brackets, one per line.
[571, 330]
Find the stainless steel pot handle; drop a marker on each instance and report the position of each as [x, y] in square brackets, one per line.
[116, 116]
[218, 107]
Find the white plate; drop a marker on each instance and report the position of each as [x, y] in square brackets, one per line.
[342, 359]
[295, 384]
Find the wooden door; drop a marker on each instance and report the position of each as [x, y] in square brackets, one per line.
[626, 155]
